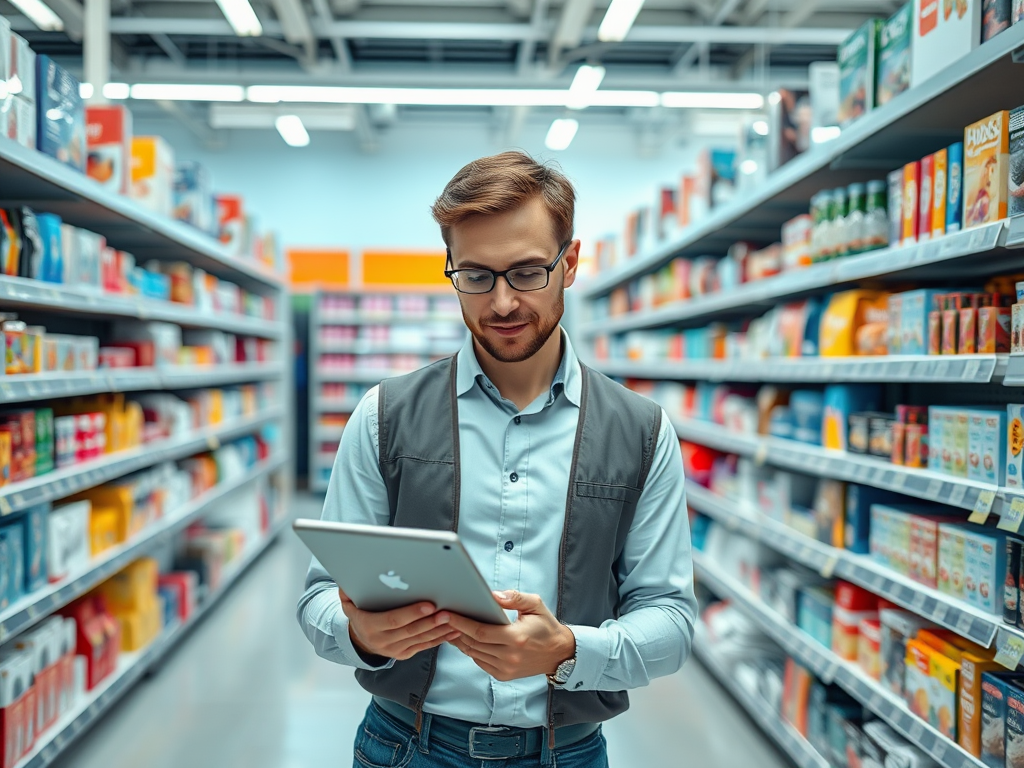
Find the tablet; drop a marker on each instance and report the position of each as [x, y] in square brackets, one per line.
[382, 568]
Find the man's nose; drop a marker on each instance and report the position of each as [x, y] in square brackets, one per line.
[504, 298]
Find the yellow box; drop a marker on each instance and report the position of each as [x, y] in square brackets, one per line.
[941, 180]
[117, 498]
[986, 169]
[845, 313]
[103, 525]
[944, 711]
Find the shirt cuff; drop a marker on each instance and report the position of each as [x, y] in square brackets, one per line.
[592, 656]
[339, 626]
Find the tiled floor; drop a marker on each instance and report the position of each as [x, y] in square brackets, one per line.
[246, 690]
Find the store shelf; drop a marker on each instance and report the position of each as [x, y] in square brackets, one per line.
[831, 669]
[35, 607]
[203, 376]
[962, 369]
[1015, 235]
[383, 318]
[28, 177]
[132, 666]
[757, 297]
[16, 292]
[921, 120]
[782, 733]
[325, 432]
[378, 348]
[358, 376]
[335, 405]
[966, 620]
[64, 482]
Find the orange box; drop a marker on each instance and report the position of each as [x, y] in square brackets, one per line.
[940, 180]
[986, 169]
[911, 201]
[153, 174]
[994, 330]
[103, 526]
[972, 667]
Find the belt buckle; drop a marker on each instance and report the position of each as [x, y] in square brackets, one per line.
[483, 748]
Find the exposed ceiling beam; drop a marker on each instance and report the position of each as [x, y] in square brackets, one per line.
[295, 25]
[412, 30]
[528, 48]
[174, 53]
[366, 132]
[325, 18]
[571, 27]
[699, 51]
[794, 18]
[72, 14]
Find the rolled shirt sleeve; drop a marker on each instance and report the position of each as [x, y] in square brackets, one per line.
[658, 609]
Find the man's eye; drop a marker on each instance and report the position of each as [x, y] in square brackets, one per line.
[477, 277]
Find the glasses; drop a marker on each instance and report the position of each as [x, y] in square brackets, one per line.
[532, 278]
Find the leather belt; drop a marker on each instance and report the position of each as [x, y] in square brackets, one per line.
[483, 742]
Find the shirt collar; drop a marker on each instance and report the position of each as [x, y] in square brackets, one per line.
[569, 376]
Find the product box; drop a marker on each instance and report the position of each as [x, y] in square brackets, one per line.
[994, 326]
[944, 33]
[927, 188]
[36, 520]
[955, 187]
[894, 55]
[985, 557]
[1011, 584]
[944, 712]
[986, 445]
[972, 671]
[1014, 723]
[69, 539]
[858, 57]
[898, 629]
[911, 201]
[17, 706]
[952, 560]
[994, 688]
[231, 224]
[940, 192]
[1014, 446]
[986, 169]
[193, 196]
[842, 400]
[895, 206]
[109, 136]
[152, 183]
[913, 321]
[61, 114]
[1015, 204]
[995, 18]
[918, 685]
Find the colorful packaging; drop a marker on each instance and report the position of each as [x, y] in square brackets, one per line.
[986, 571]
[940, 192]
[857, 58]
[1014, 446]
[193, 196]
[109, 135]
[1014, 723]
[944, 33]
[924, 215]
[1011, 590]
[842, 400]
[914, 330]
[995, 18]
[994, 324]
[918, 686]
[952, 560]
[911, 201]
[973, 667]
[61, 114]
[955, 187]
[895, 185]
[993, 716]
[1015, 204]
[231, 223]
[986, 169]
[944, 711]
[894, 55]
[153, 174]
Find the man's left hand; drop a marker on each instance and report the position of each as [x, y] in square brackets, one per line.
[534, 645]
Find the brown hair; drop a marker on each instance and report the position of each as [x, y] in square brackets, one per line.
[502, 183]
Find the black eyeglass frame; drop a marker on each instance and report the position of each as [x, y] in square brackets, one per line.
[451, 273]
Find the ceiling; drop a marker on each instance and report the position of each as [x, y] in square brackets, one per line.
[673, 45]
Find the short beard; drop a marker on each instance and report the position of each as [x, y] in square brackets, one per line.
[511, 354]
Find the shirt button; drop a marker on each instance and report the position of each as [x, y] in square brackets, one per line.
[518, 419]
[509, 546]
[514, 477]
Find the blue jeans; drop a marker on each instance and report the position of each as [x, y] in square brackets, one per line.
[383, 742]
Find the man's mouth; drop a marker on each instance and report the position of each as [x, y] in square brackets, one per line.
[508, 330]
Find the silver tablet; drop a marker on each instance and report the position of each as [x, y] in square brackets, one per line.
[382, 568]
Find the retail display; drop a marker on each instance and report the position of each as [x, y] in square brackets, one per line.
[110, 140]
[359, 338]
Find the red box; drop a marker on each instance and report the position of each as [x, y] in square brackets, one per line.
[145, 351]
[186, 585]
[231, 223]
[924, 220]
[109, 139]
[854, 598]
[98, 638]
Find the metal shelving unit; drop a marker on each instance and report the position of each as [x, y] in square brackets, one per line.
[320, 434]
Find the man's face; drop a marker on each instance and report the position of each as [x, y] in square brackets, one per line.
[510, 325]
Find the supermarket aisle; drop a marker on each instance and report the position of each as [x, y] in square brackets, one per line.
[245, 689]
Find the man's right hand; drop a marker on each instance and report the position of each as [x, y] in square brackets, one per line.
[399, 634]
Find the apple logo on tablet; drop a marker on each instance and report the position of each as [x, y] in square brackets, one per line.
[391, 580]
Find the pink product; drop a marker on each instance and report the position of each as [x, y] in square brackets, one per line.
[375, 333]
[116, 357]
[338, 362]
[337, 333]
[412, 305]
[337, 305]
[378, 304]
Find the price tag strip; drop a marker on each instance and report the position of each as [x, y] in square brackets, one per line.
[982, 507]
[956, 496]
[1012, 518]
[1011, 651]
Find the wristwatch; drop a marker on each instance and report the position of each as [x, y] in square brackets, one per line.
[562, 674]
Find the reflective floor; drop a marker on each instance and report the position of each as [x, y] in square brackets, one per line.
[245, 689]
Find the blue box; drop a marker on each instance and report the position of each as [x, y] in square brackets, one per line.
[60, 114]
[193, 196]
[914, 309]
[36, 519]
[807, 407]
[994, 686]
[955, 187]
[156, 286]
[15, 535]
[857, 530]
[51, 264]
[840, 401]
[5, 569]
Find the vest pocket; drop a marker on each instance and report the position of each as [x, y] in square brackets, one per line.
[624, 493]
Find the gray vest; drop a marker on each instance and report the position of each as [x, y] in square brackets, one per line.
[419, 461]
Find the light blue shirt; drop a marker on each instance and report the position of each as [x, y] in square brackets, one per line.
[515, 478]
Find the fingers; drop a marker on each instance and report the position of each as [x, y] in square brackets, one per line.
[518, 601]
[476, 652]
[426, 646]
[425, 625]
[399, 618]
[344, 598]
[474, 629]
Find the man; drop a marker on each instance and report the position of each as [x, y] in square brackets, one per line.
[566, 489]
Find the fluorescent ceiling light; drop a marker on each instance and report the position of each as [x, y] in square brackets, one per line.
[584, 85]
[822, 134]
[175, 92]
[748, 167]
[292, 130]
[241, 17]
[699, 100]
[561, 133]
[116, 91]
[760, 127]
[85, 91]
[442, 97]
[618, 20]
[41, 14]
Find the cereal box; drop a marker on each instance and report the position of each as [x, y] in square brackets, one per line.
[955, 187]
[986, 571]
[895, 182]
[918, 686]
[995, 18]
[1014, 725]
[911, 201]
[1014, 445]
[940, 174]
[986, 169]
[857, 72]
[951, 560]
[1015, 206]
[944, 33]
[894, 55]
[927, 187]
[993, 717]
[109, 138]
[944, 713]
[972, 670]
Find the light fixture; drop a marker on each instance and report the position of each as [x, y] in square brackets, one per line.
[774, 98]
[748, 167]
[241, 17]
[760, 127]
[85, 91]
[700, 100]
[561, 133]
[442, 97]
[292, 130]
[176, 92]
[618, 20]
[116, 91]
[41, 14]
[824, 133]
[586, 82]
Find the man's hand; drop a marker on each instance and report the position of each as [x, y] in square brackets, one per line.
[534, 645]
[399, 634]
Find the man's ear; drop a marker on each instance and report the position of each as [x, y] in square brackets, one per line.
[572, 260]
